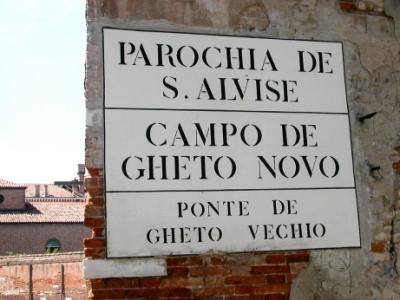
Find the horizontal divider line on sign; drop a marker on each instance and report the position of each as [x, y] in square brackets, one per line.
[231, 110]
[233, 190]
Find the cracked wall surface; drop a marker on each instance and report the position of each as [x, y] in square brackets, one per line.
[372, 62]
[370, 32]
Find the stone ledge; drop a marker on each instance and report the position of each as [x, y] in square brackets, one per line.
[35, 259]
[124, 267]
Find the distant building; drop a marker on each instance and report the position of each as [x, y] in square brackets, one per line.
[40, 218]
[75, 186]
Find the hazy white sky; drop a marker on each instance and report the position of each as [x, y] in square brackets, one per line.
[42, 106]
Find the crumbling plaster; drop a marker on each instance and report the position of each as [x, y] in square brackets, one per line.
[371, 40]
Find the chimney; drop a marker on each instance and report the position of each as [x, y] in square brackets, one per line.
[81, 174]
[37, 190]
[74, 189]
[81, 171]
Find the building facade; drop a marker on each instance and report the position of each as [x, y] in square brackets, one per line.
[369, 33]
[40, 218]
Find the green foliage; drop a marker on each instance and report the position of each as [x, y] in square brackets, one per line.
[50, 250]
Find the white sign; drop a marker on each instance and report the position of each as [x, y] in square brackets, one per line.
[221, 143]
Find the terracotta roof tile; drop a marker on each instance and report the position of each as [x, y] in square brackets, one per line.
[47, 211]
[8, 184]
[52, 191]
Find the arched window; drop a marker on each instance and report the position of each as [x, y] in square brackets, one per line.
[1, 198]
[53, 246]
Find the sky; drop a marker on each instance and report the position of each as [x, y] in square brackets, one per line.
[42, 104]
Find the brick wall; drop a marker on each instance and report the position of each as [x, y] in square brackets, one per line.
[259, 275]
[32, 238]
[95, 246]
[46, 276]
[368, 30]
[13, 198]
[233, 276]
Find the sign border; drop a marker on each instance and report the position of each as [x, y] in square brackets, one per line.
[103, 28]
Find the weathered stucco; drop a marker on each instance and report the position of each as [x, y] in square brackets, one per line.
[370, 31]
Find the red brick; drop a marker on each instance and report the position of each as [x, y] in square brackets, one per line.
[194, 261]
[95, 191]
[95, 172]
[396, 166]
[93, 182]
[213, 291]
[297, 257]
[93, 211]
[150, 282]
[184, 261]
[94, 222]
[276, 278]
[108, 294]
[242, 297]
[176, 261]
[180, 292]
[98, 232]
[94, 243]
[134, 282]
[114, 283]
[272, 288]
[275, 259]
[95, 201]
[94, 252]
[277, 297]
[216, 260]
[207, 271]
[148, 293]
[133, 293]
[159, 292]
[119, 283]
[178, 271]
[270, 269]
[378, 247]
[182, 281]
[347, 5]
[244, 280]
[240, 270]
[98, 283]
[217, 280]
[245, 297]
[244, 290]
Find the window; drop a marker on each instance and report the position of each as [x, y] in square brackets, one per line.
[53, 246]
[1, 198]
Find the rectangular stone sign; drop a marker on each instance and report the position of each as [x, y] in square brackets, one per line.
[225, 143]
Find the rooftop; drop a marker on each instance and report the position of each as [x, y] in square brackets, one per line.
[47, 190]
[8, 184]
[40, 210]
